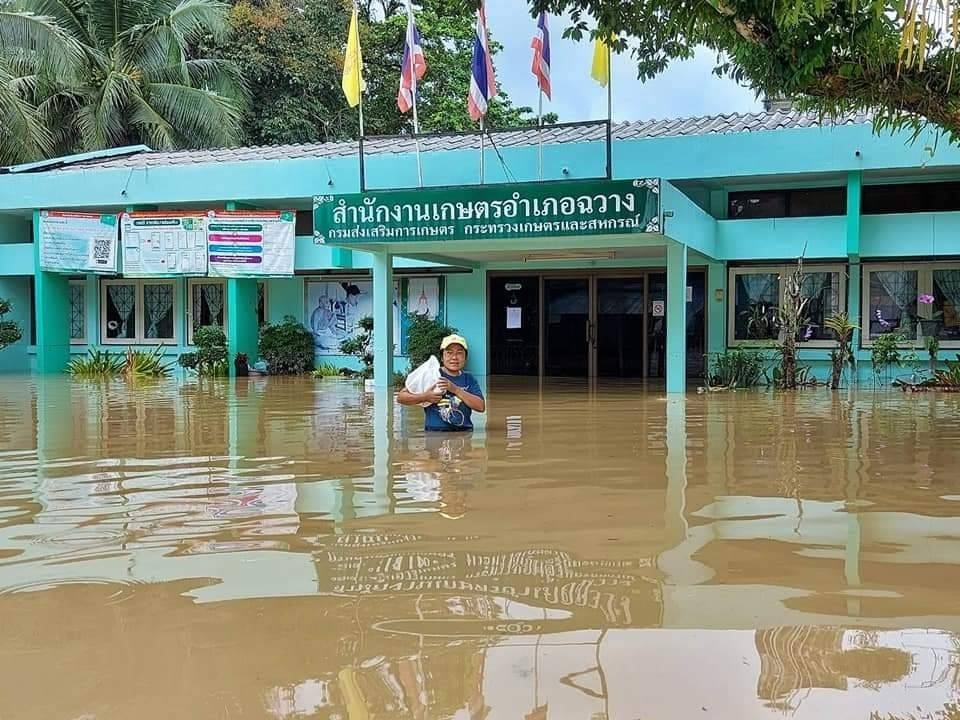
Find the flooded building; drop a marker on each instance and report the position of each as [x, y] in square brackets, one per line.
[581, 250]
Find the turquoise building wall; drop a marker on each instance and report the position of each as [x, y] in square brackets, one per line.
[698, 172]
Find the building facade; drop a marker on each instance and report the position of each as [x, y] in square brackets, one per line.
[731, 204]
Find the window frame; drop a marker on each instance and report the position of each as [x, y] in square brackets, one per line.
[139, 317]
[925, 286]
[83, 339]
[194, 282]
[781, 271]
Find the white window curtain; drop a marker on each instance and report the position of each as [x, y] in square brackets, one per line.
[949, 283]
[123, 298]
[213, 295]
[157, 301]
[901, 286]
[758, 285]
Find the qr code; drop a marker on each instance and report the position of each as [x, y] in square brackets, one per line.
[102, 251]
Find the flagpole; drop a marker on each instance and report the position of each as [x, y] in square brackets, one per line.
[416, 119]
[359, 72]
[609, 87]
[481, 150]
[540, 131]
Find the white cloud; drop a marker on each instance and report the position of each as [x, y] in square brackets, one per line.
[684, 89]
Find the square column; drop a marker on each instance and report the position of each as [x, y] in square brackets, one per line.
[51, 302]
[716, 307]
[382, 319]
[243, 332]
[676, 317]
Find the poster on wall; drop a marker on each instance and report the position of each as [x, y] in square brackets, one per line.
[423, 296]
[334, 310]
[250, 243]
[78, 242]
[163, 243]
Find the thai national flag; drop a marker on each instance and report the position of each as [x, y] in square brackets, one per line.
[483, 85]
[541, 55]
[413, 67]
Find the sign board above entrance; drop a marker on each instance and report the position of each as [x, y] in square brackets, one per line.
[490, 212]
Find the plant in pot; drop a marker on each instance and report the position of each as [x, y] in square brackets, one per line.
[287, 347]
[842, 355]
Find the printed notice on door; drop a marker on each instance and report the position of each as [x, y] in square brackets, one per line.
[514, 318]
[249, 243]
[72, 242]
[161, 244]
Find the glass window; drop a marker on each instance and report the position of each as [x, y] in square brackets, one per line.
[910, 197]
[756, 296]
[756, 304]
[138, 311]
[158, 311]
[759, 204]
[892, 301]
[78, 311]
[817, 202]
[822, 293]
[946, 303]
[120, 310]
[207, 303]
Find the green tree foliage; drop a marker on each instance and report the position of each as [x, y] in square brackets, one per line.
[287, 347]
[830, 56]
[79, 75]
[9, 331]
[292, 58]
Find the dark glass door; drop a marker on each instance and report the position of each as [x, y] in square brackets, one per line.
[620, 305]
[695, 293]
[515, 325]
[566, 327]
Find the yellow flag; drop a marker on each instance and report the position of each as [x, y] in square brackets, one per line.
[600, 71]
[352, 82]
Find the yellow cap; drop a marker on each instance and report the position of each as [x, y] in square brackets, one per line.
[453, 340]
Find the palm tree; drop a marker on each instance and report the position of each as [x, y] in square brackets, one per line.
[80, 75]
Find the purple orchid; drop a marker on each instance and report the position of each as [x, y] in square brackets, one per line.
[808, 333]
[925, 299]
[883, 323]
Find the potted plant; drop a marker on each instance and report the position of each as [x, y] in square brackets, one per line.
[287, 347]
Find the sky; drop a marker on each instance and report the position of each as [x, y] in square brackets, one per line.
[685, 89]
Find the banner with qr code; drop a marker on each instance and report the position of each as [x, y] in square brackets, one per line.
[161, 244]
[75, 242]
[250, 243]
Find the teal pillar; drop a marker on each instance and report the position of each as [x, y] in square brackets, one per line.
[676, 317]
[341, 258]
[382, 319]
[466, 310]
[716, 302]
[242, 328]
[51, 302]
[854, 193]
[675, 521]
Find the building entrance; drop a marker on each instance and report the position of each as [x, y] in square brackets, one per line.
[589, 325]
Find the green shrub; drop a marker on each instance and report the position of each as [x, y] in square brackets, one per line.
[886, 353]
[361, 346]
[423, 338]
[210, 358]
[326, 370]
[736, 368]
[950, 377]
[95, 365]
[9, 331]
[287, 347]
[140, 364]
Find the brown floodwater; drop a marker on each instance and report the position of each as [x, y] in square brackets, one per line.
[298, 549]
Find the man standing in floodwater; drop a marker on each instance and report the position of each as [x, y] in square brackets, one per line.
[456, 395]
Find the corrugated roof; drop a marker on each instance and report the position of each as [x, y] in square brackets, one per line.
[707, 125]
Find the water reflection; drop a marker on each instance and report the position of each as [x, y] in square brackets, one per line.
[291, 548]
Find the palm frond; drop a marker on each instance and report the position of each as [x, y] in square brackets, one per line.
[157, 132]
[202, 117]
[68, 14]
[101, 117]
[42, 35]
[192, 19]
[154, 50]
[23, 136]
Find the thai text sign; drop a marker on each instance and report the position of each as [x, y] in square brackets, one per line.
[78, 242]
[490, 212]
[163, 243]
[244, 243]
